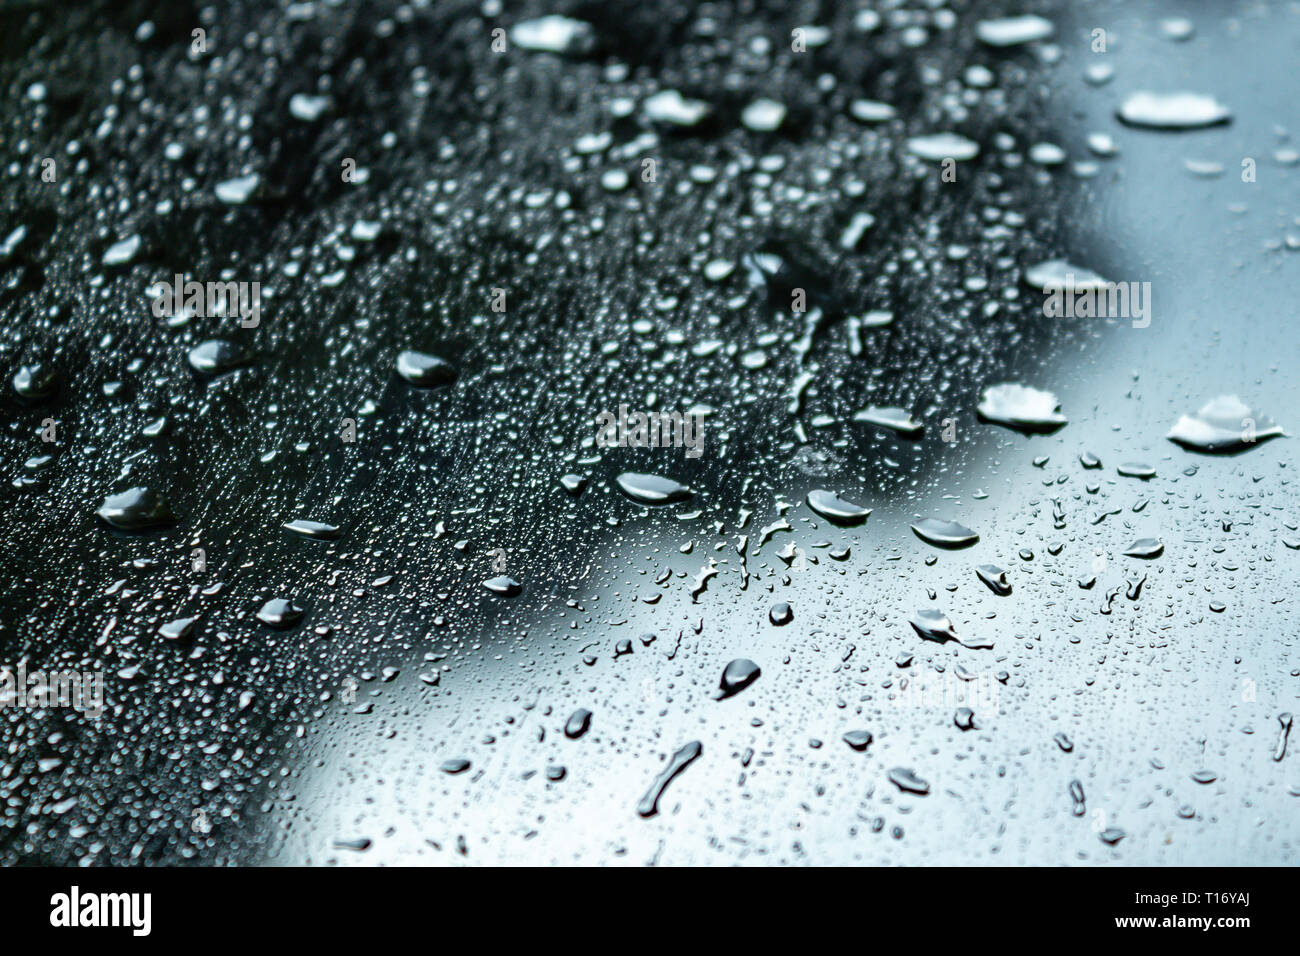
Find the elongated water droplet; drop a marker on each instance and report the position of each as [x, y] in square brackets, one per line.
[897, 419]
[311, 529]
[687, 754]
[424, 370]
[836, 509]
[944, 534]
[652, 489]
[1223, 425]
[905, 779]
[1172, 111]
[1146, 548]
[135, 509]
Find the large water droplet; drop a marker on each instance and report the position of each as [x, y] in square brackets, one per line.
[944, 534]
[941, 146]
[652, 489]
[35, 381]
[1172, 111]
[135, 509]
[1013, 31]
[905, 779]
[216, 356]
[738, 675]
[995, 578]
[1021, 407]
[933, 625]
[554, 34]
[280, 612]
[897, 419]
[423, 370]
[503, 585]
[311, 529]
[578, 723]
[836, 509]
[1146, 548]
[1223, 425]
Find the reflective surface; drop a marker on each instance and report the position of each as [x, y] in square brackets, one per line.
[417, 713]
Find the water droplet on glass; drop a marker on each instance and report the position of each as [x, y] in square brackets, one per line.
[1172, 111]
[423, 370]
[652, 489]
[944, 534]
[135, 509]
[836, 509]
[1022, 408]
[737, 675]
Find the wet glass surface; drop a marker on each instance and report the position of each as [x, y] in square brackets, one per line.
[383, 549]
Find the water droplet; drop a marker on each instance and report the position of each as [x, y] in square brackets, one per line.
[423, 370]
[896, 419]
[216, 356]
[123, 252]
[1223, 425]
[737, 675]
[944, 534]
[135, 509]
[237, 191]
[781, 614]
[933, 625]
[670, 108]
[579, 723]
[35, 381]
[177, 630]
[1172, 111]
[763, 115]
[905, 779]
[871, 111]
[280, 612]
[311, 529]
[859, 740]
[652, 489]
[836, 509]
[554, 34]
[455, 765]
[1013, 31]
[1022, 408]
[504, 585]
[1136, 469]
[940, 146]
[308, 108]
[687, 754]
[1058, 275]
[995, 578]
[1146, 548]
